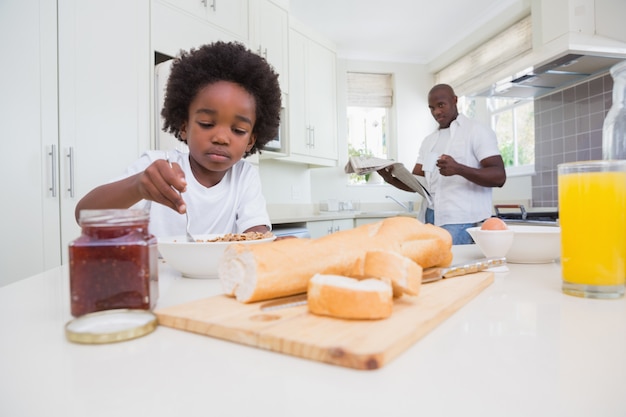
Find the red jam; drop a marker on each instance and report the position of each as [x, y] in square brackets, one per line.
[114, 263]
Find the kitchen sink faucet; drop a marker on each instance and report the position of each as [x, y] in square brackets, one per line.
[408, 207]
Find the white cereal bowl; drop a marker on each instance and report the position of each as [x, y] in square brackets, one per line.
[492, 243]
[528, 244]
[534, 244]
[198, 259]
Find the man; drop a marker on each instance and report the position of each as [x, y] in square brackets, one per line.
[460, 162]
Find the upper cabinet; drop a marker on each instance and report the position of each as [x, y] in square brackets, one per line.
[230, 15]
[269, 36]
[312, 100]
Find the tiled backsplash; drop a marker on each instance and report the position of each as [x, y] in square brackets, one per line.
[568, 127]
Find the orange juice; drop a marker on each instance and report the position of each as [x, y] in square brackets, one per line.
[592, 215]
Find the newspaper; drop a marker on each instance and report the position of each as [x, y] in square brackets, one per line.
[362, 165]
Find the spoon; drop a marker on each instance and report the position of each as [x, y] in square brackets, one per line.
[188, 235]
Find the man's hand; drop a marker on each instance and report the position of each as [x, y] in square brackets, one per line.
[490, 174]
[386, 173]
[448, 166]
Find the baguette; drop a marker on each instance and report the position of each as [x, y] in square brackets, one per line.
[349, 298]
[404, 275]
[281, 268]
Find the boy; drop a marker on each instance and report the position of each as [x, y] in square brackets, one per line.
[223, 101]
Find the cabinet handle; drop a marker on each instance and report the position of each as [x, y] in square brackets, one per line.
[307, 137]
[53, 170]
[330, 230]
[70, 156]
[262, 52]
[337, 228]
[212, 6]
[310, 136]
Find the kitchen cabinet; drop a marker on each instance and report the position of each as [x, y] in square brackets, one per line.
[104, 96]
[30, 212]
[173, 30]
[77, 109]
[325, 227]
[312, 100]
[230, 15]
[269, 35]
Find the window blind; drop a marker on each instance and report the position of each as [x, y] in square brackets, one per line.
[369, 90]
[509, 44]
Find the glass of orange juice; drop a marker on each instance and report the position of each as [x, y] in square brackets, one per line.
[592, 216]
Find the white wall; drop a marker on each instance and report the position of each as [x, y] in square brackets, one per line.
[285, 183]
[412, 123]
[516, 189]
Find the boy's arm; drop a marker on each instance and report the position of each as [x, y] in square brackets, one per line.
[159, 183]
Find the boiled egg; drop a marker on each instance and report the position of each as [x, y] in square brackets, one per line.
[493, 223]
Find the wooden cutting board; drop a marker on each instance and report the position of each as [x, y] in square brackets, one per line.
[360, 344]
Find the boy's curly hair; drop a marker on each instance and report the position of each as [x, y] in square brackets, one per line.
[223, 61]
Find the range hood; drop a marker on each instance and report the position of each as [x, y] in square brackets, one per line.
[572, 41]
[559, 73]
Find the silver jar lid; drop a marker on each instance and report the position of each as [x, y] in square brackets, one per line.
[110, 326]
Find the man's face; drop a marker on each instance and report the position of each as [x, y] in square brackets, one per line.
[442, 105]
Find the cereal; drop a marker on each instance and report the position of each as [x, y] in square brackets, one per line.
[237, 237]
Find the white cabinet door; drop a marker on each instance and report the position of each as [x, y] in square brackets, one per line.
[230, 15]
[320, 228]
[269, 27]
[104, 96]
[322, 101]
[298, 122]
[75, 111]
[326, 227]
[28, 116]
[312, 99]
[172, 30]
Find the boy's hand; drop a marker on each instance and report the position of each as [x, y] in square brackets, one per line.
[163, 183]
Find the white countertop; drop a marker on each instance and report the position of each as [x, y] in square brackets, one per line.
[302, 213]
[338, 215]
[520, 348]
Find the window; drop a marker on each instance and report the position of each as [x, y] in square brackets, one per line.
[513, 120]
[370, 97]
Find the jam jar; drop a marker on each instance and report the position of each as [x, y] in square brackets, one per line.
[114, 262]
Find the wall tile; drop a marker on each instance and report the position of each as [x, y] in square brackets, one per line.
[569, 110]
[596, 86]
[568, 128]
[596, 120]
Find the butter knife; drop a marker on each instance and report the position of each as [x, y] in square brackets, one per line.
[285, 302]
[437, 273]
[429, 275]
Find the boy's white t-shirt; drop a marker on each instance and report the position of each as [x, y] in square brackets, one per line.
[233, 205]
